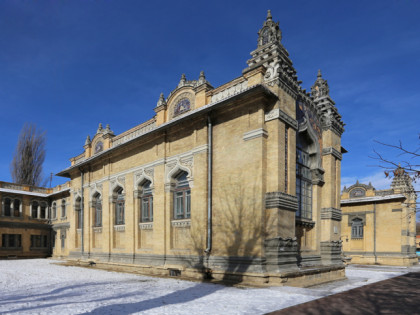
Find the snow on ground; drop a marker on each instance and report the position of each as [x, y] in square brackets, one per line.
[39, 286]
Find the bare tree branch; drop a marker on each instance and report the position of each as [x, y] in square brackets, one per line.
[29, 156]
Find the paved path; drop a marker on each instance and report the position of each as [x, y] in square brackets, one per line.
[399, 295]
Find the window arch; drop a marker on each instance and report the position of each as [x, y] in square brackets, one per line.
[54, 210]
[16, 207]
[7, 204]
[34, 209]
[63, 208]
[43, 210]
[97, 206]
[119, 206]
[182, 197]
[146, 202]
[357, 228]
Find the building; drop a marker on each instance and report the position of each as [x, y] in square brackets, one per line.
[25, 219]
[379, 226]
[238, 183]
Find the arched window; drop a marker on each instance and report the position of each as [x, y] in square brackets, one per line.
[97, 204]
[146, 203]
[182, 197]
[63, 208]
[34, 209]
[54, 210]
[357, 228]
[43, 210]
[119, 207]
[303, 182]
[78, 210]
[7, 207]
[16, 208]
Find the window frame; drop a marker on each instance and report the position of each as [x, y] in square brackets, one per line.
[357, 230]
[303, 185]
[146, 202]
[181, 197]
[119, 207]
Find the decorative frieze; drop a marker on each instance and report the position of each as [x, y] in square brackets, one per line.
[181, 223]
[229, 91]
[331, 214]
[146, 226]
[119, 228]
[278, 199]
[277, 113]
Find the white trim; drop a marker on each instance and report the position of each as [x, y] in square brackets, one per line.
[370, 199]
[260, 132]
[29, 193]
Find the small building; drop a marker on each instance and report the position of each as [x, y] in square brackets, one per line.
[26, 212]
[379, 226]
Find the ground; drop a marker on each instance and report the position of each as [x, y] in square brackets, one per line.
[41, 286]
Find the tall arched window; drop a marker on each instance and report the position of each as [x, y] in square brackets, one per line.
[7, 207]
[54, 210]
[97, 209]
[16, 207]
[43, 211]
[146, 204]
[182, 197]
[303, 181]
[63, 208]
[357, 228]
[34, 209]
[119, 207]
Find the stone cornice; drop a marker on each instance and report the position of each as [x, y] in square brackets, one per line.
[279, 114]
[334, 152]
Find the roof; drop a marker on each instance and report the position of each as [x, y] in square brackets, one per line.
[372, 199]
[30, 193]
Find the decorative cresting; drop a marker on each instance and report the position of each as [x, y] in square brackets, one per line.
[142, 175]
[281, 253]
[278, 199]
[330, 118]
[358, 190]
[403, 183]
[176, 165]
[274, 57]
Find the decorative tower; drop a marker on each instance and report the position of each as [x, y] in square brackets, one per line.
[273, 56]
[330, 118]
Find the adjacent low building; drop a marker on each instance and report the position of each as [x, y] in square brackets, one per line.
[379, 226]
[26, 214]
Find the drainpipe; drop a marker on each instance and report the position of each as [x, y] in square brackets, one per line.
[82, 212]
[209, 185]
[374, 231]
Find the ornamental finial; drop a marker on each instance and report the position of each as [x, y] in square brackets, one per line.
[269, 17]
[319, 73]
[87, 142]
[99, 128]
[161, 100]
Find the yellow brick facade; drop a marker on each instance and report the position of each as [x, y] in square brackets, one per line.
[219, 165]
[379, 226]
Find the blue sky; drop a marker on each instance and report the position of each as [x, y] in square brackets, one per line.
[68, 65]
